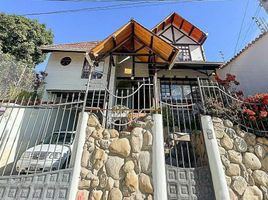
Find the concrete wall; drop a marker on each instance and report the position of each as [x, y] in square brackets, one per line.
[265, 4]
[69, 77]
[250, 68]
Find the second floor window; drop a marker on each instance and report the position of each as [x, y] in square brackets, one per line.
[184, 54]
[97, 74]
[85, 70]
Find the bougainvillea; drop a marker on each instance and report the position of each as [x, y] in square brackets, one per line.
[255, 107]
[229, 80]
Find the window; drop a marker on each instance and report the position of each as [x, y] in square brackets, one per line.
[97, 74]
[174, 91]
[85, 70]
[65, 61]
[184, 54]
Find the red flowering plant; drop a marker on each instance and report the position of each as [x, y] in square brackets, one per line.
[251, 111]
[229, 80]
[255, 107]
[229, 83]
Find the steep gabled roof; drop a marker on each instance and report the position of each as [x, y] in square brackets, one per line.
[183, 25]
[140, 39]
[249, 45]
[73, 47]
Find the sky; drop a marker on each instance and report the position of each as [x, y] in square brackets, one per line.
[228, 23]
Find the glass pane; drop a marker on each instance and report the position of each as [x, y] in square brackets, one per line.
[176, 92]
[187, 91]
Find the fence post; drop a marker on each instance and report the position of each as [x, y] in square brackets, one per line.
[201, 95]
[215, 164]
[75, 162]
[158, 164]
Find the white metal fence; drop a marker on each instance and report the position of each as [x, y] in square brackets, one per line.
[36, 135]
[218, 101]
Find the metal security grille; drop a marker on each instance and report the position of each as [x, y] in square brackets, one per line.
[36, 135]
[188, 173]
[120, 108]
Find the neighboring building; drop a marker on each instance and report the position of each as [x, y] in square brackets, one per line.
[265, 4]
[250, 66]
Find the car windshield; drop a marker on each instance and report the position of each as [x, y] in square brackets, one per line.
[60, 138]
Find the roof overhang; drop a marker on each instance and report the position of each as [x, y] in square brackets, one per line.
[48, 50]
[79, 47]
[182, 24]
[134, 38]
[198, 65]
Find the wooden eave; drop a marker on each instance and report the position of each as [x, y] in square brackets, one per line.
[183, 25]
[134, 38]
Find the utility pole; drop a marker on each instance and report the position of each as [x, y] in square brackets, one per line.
[261, 23]
[264, 3]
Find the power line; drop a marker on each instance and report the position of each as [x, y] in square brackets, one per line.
[241, 27]
[118, 6]
[251, 25]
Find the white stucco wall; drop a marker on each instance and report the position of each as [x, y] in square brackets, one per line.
[196, 52]
[265, 4]
[69, 77]
[250, 68]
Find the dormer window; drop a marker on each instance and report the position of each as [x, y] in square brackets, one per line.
[184, 54]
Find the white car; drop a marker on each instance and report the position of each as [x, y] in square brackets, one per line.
[52, 154]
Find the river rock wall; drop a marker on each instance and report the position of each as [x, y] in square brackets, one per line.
[117, 165]
[245, 161]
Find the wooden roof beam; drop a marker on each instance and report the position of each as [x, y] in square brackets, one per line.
[138, 39]
[115, 48]
[152, 41]
[164, 25]
[181, 24]
[190, 32]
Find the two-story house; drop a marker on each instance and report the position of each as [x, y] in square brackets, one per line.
[142, 87]
[172, 52]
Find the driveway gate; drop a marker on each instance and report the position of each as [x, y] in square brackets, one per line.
[36, 145]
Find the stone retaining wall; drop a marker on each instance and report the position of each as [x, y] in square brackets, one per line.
[245, 160]
[117, 165]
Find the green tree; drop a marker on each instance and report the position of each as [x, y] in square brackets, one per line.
[16, 78]
[22, 37]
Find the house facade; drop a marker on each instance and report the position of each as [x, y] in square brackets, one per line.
[249, 66]
[132, 59]
[121, 119]
[132, 73]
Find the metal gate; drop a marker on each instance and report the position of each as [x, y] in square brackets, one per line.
[36, 146]
[187, 169]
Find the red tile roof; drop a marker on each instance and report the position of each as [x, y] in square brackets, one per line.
[182, 24]
[76, 47]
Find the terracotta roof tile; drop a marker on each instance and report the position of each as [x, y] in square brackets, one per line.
[76, 47]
